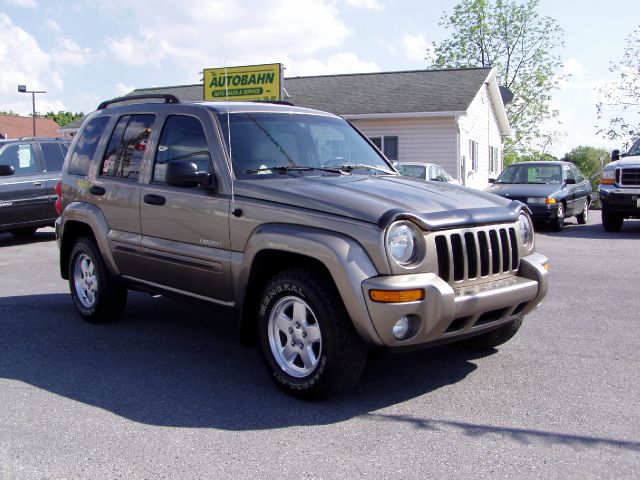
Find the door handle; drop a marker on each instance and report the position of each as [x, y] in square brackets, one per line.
[151, 199]
[96, 190]
[37, 184]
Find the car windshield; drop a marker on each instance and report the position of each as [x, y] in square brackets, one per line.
[418, 171]
[635, 148]
[268, 144]
[531, 173]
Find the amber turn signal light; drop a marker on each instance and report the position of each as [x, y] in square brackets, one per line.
[397, 296]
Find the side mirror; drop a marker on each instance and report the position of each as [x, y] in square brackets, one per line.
[182, 173]
[570, 181]
[615, 155]
[6, 170]
[492, 180]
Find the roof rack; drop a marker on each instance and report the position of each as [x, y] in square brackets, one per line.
[40, 138]
[160, 96]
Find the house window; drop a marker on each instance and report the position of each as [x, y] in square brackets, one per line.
[387, 145]
[473, 155]
[494, 160]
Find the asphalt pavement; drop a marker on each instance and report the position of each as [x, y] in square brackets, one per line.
[168, 391]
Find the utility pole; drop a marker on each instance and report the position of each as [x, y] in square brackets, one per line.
[23, 89]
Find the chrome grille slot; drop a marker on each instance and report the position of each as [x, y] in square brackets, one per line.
[629, 176]
[469, 256]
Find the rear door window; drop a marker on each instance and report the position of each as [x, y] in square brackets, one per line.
[53, 156]
[127, 146]
[21, 157]
[86, 145]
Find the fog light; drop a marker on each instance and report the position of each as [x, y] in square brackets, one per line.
[401, 328]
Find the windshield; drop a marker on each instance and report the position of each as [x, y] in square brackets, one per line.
[268, 143]
[635, 148]
[418, 171]
[531, 173]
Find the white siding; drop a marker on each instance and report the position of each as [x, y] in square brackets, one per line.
[480, 125]
[429, 140]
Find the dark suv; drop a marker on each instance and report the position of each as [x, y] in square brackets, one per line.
[293, 220]
[29, 171]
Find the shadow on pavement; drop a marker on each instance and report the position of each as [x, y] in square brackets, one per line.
[168, 363]
[44, 235]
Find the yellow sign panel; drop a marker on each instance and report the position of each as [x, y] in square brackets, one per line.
[254, 82]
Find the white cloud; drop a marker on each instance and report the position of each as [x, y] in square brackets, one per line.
[122, 89]
[366, 4]
[68, 53]
[416, 48]
[340, 63]
[53, 26]
[22, 3]
[205, 33]
[574, 67]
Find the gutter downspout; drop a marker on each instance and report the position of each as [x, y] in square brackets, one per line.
[456, 121]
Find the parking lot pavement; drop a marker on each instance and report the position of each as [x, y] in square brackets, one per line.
[168, 392]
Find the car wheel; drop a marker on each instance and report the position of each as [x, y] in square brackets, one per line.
[24, 232]
[559, 221]
[309, 345]
[493, 338]
[583, 216]
[97, 295]
[611, 222]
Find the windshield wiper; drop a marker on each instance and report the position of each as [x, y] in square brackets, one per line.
[282, 169]
[361, 166]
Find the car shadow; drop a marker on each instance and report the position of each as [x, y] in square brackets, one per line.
[43, 235]
[170, 363]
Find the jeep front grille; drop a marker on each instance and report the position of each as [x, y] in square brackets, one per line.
[629, 176]
[475, 254]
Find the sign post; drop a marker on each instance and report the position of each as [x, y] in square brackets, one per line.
[248, 83]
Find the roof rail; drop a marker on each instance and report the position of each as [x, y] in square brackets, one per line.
[161, 96]
[40, 138]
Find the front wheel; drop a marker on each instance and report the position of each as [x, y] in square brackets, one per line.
[611, 222]
[309, 345]
[559, 221]
[495, 337]
[97, 295]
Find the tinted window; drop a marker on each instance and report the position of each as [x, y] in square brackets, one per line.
[21, 157]
[182, 138]
[86, 146]
[127, 146]
[53, 156]
[417, 171]
[531, 173]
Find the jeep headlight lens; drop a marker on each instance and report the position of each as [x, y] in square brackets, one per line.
[403, 243]
[526, 231]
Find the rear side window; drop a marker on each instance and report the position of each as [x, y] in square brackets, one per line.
[53, 156]
[182, 138]
[86, 145]
[21, 157]
[127, 145]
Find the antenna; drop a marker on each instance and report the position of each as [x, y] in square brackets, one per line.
[230, 166]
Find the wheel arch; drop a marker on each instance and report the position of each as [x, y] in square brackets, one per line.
[274, 248]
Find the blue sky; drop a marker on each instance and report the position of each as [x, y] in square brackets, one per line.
[85, 51]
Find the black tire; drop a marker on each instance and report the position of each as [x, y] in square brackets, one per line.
[493, 338]
[97, 295]
[611, 222]
[24, 232]
[308, 343]
[558, 223]
[583, 216]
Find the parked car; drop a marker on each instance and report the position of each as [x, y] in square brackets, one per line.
[553, 191]
[619, 188]
[29, 171]
[293, 220]
[425, 171]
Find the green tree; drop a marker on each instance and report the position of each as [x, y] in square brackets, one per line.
[11, 112]
[589, 160]
[62, 118]
[619, 110]
[512, 38]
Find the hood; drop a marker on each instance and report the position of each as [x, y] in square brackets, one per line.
[518, 191]
[382, 199]
[633, 161]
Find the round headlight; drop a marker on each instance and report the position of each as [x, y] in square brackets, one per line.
[526, 231]
[402, 243]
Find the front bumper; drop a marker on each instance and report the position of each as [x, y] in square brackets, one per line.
[544, 213]
[448, 313]
[625, 201]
